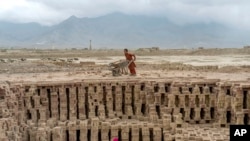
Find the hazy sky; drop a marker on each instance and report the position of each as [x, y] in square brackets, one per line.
[229, 12]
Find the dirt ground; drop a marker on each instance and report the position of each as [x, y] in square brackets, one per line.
[57, 65]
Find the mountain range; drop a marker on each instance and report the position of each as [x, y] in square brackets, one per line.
[118, 30]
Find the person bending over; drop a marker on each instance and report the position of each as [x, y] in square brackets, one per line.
[131, 58]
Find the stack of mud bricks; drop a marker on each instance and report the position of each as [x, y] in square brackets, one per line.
[105, 131]
[114, 131]
[149, 100]
[83, 130]
[94, 129]
[202, 133]
[128, 101]
[81, 103]
[71, 127]
[54, 105]
[241, 104]
[72, 103]
[57, 134]
[142, 113]
[153, 117]
[93, 101]
[3, 130]
[135, 132]
[124, 132]
[3, 105]
[193, 101]
[223, 104]
[63, 103]
[232, 104]
[118, 101]
[96, 102]
[110, 91]
[157, 134]
[145, 133]
[94, 110]
[137, 101]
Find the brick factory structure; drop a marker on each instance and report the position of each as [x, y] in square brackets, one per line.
[188, 109]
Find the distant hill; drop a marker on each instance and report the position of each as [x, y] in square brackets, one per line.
[119, 30]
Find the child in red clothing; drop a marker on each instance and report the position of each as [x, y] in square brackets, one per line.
[130, 57]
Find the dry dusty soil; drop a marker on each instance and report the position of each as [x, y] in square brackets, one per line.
[51, 65]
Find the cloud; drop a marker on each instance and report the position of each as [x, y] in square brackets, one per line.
[225, 11]
[27, 11]
[228, 12]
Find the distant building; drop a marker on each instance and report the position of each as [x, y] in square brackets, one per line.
[247, 47]
[155, 48]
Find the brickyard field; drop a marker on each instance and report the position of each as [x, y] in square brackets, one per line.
[72, 95]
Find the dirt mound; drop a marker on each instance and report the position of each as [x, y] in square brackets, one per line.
[234, 69]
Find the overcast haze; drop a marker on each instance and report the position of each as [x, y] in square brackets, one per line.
[48, 12]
